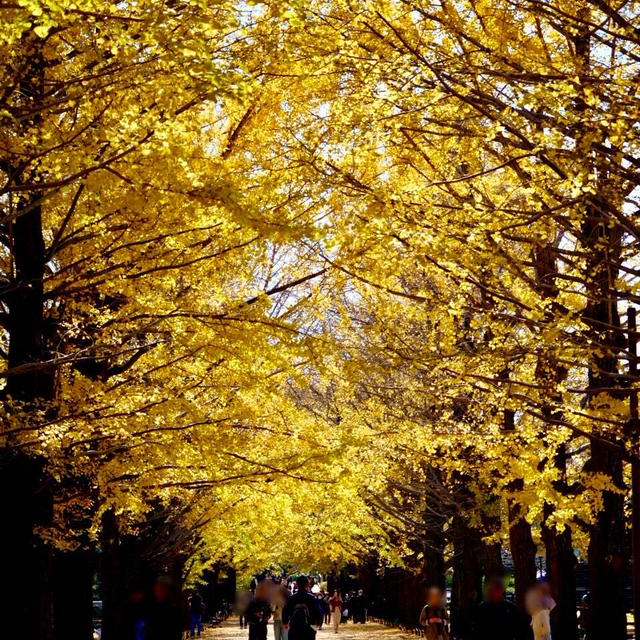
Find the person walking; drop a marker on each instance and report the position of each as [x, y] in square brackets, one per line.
[135, 615]
[242, 602]
[358, 606]
[326, 606]
[278, 601]
[196, 610]
[165, 621]
[498, 619]
[258, 614]
[302, 614]
[539, 603]
[335, 603]
[433, 617]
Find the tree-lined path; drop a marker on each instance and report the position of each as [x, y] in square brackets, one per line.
[230, 630]
[337, 285]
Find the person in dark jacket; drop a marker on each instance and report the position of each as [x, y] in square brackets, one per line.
[258, 613]
[302, 613]
[358, 608]
[135, 615]
[165, 621]
[196, 610]
[497, 619]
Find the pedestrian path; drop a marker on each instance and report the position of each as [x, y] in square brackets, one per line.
[230, 630]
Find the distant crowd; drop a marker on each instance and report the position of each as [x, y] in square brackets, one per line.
[298, 608]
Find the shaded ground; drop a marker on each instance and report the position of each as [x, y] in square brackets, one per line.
[230, 630]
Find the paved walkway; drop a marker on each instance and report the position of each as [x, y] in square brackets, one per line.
[230, 630]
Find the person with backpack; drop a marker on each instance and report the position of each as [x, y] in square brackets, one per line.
[433, 618]
[302, 613]
[258, 613]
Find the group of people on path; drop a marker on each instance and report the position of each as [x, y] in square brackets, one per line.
[296, 612]
[495, 618]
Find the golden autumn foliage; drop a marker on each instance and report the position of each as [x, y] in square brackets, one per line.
[297, 257]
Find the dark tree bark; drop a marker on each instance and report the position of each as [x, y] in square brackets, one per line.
[523, 552]
[561, 565]
[433, 550]
[466, 590]
[607, 554]
[26, 497]
[601, 238]
[25, 501]
[490, 558]
[135, 560]
[114, 579]
[72, 602]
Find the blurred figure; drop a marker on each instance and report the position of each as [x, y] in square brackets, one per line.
[242, 602]
[136, 615]
[335, 603]
[547, 599]
[536, 602]
[498, 619]
[326, 606]
[165, 618]
[258, 613]
[433, 617]
[302, 613]
[278, 601]
[196, 610]
[358, 607]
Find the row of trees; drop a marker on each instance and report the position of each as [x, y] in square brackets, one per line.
[153, 280]
[481, 163]
[311, 281]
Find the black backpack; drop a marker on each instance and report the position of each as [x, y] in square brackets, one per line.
[300, 623]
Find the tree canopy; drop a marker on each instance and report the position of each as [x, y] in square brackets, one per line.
[358, 270]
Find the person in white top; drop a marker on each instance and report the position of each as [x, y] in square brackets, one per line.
[278, 600]
[539, 604]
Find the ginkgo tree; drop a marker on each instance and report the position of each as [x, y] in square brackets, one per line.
[146, 306]
[252, 251]
[492, 146]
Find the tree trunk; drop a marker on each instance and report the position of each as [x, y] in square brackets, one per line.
[467, 578]
[601, 239]
[607, 555]
[433, 558]
[25, 501]
[26, 497]
[523, 552]
[561, 564]
[72, 603]
[115, 581]
[490, 558]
